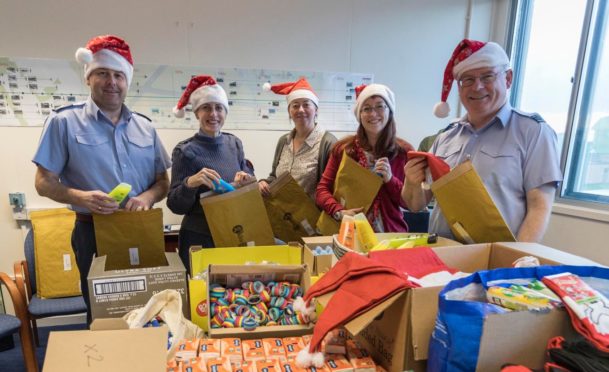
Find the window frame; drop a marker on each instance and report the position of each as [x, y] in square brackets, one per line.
[594, 26]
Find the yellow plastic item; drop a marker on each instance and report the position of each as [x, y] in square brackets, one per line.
[515, 300]
[120, 192]
[365, 235]
[56, 271]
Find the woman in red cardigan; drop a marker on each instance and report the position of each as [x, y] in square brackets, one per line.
[376, 147]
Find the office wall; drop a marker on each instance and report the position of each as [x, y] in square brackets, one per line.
[405, 44]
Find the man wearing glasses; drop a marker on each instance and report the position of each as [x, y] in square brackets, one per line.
[514, 153]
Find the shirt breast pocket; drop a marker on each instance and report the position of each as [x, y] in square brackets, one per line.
[91, 145]
[141, 149]
[502, 164]
[450, 155]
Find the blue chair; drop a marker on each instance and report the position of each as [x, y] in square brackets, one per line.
[37, 308]
[10, 324]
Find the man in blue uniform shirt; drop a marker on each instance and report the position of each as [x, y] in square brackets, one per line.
[88, 148]
[514, 153]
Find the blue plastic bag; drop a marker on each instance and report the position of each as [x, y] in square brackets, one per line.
[455, 341]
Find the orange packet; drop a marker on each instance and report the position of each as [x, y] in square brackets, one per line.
[268, 365]
[290, 366]
[346, 233]
[187, 348]
[246, 366]
[306, 339]
[193, 365]
[209, 348]
[274, 349]
[231, 348]
[253, 350]
[338, 363]
[292, 346]
[219, 365]
[365, 364]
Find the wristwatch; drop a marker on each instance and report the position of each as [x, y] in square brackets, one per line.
[338, 215]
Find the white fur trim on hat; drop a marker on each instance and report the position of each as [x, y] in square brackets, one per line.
[266, 86]
[302, 93]
[374, 90]
[178, 113]
[106, 58]
[490, 55]
[207, 94]
[441, 109]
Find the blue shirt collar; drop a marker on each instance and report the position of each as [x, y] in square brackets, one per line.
[94, 111]
[502, 117]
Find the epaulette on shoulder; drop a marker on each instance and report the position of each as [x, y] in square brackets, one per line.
[142, 115]
[533, 115]
[69, 106]
[184, 142]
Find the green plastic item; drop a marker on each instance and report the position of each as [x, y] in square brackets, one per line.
[120, 192]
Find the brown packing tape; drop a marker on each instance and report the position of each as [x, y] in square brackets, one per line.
[464, 200]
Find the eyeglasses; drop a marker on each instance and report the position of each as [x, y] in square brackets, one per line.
[305, 105]
[379, 109]
[209, 108]
[486, 79]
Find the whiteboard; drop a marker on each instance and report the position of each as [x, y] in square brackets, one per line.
[30, 88]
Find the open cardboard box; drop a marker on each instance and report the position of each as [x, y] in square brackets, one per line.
[200, 259]
[397, 331]
[113, 293]
[322, 263]
[232, 276]
[108, 346]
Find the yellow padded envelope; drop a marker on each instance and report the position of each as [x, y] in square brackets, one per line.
[238, 218]
[468, 208]
[56, 272]
[131, 239]
[290, 210]
[354, 187]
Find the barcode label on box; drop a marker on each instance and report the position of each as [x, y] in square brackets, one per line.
[119, 285]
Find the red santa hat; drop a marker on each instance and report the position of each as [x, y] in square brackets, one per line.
[436, 166]
[200, 90]
[468, 55]
[360, 284]
[363, 92]
[294, 90]
[106, 51]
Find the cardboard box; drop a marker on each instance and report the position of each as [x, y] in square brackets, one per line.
[232, 276]
[114, 293]
[109, 346]
[200, 259]
[322, 263]
[399, 338]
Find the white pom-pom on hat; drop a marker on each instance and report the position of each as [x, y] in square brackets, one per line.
[266, 86]
[83, 56]
[300, 305]
[306, 359]
[178, 113]
[441, 109]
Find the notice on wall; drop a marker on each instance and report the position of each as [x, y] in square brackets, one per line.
[31, 88]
